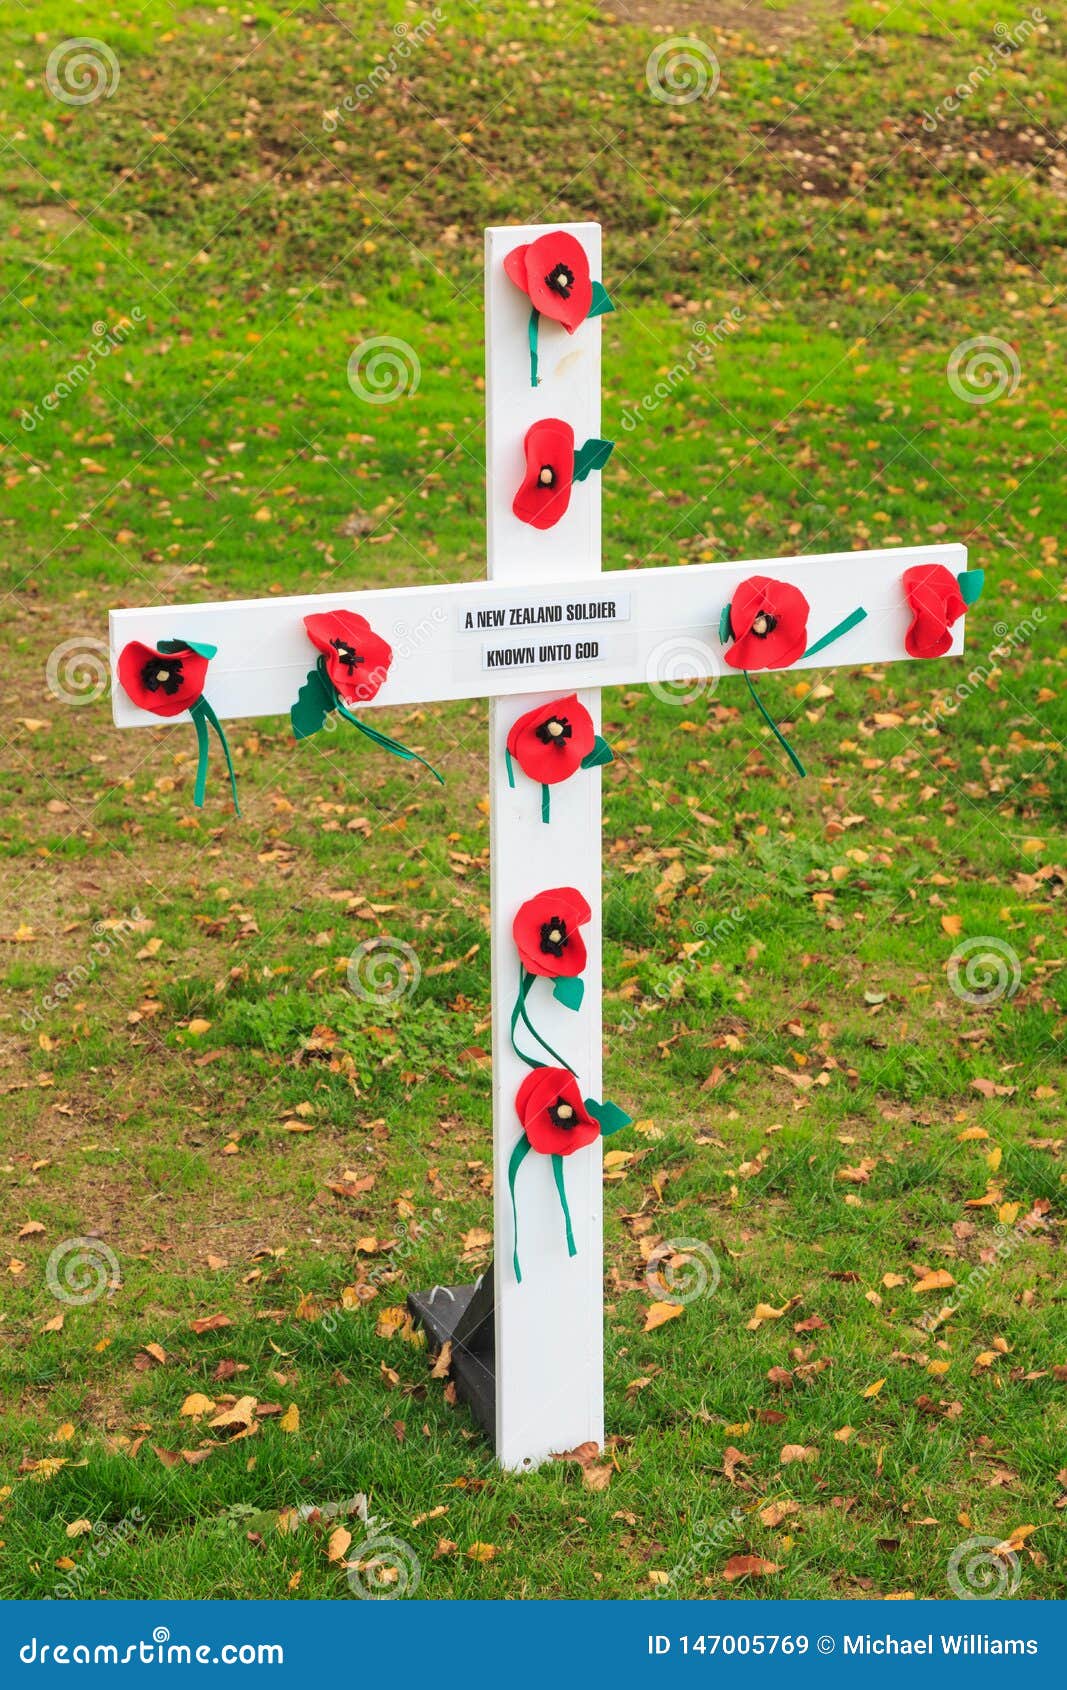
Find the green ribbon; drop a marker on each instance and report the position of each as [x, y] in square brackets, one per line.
[557, 1170]
[509, 766]
[203, 747]
[518, 1014]
[378, 738]
[835, 633]
[546, 802]
[532, 337]
[775, 729]
[518, 1157]
[202, 714]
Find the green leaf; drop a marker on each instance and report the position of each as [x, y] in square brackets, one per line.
[971, 582]
[601, 302]
[569, 992]
[725, 631]
[169, 646]
[593, 455]
[313, 705]
[612, 1119]
[601, 753]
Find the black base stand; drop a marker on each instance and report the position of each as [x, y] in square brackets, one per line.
[463, 1315]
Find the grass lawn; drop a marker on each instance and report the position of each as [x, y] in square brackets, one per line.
[802, 256]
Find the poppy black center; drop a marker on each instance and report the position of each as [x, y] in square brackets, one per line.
[560, 280]
[347, 655]
[562, 1113]
[163, 672]
[555, 731]
[546, 476]
[553, 936]
[764, 624]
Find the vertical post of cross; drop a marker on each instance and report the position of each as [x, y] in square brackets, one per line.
[549, 1338]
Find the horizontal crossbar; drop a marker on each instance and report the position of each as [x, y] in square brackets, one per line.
[489, 639]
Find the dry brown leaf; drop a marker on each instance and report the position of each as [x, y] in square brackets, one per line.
[196, 1404]
[658, 1314]
[748, 1566]
[776, 1512]
[241, 1417]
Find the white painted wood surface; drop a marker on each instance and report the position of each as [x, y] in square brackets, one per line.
[549, 1329]
[653, 625]
[665, 615]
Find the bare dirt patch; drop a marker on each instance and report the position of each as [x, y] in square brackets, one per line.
[753, 18]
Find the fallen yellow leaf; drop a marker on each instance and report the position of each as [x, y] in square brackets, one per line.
[659, 1313]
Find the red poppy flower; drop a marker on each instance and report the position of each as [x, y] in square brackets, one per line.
[549, 743]
[934, 596]
[552, 1113]
[546, 489]
[164, 682]
[546, 933]
[357, 659]
[554, 271]
[768, 620]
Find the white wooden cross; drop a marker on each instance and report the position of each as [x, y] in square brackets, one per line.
[529, 1356]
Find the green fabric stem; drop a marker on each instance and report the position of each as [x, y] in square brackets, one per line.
[557, 1170]
[203, 746]
[518, 1157]
[518, 1014]
[217, 725]
[387, 744]
[546, 802]
[850, 622]
[535, 320]
[201, 710]
[775, 729]
[509, 765]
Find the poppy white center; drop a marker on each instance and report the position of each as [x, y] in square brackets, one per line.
[564, 1111]
[545, 478]
[163, 675]
[555, 936]
[555, 729]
